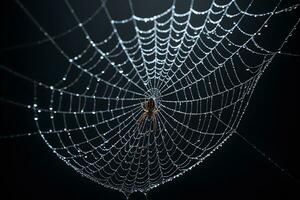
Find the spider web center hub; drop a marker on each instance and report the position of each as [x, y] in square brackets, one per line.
[154, 94]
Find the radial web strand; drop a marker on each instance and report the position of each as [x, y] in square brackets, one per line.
[200, 66]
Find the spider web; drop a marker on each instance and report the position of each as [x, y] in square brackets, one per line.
[200, 66]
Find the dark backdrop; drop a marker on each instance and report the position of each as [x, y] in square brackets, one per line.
[29, 170]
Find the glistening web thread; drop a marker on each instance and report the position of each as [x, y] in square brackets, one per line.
[200, 67]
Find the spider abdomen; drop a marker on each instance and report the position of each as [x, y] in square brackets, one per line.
[150, 105]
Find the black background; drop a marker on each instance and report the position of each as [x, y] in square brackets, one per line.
[29, 170]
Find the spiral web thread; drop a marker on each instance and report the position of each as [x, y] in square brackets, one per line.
[199, 74]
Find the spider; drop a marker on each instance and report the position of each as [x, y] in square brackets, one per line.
[150, 110]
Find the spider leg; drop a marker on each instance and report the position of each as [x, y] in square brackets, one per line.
[141, 118]
[154, 122]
